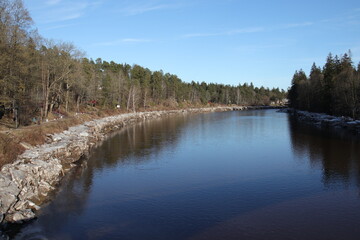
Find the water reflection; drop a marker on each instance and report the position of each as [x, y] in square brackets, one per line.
[129, 146]
[239, 175]
[335, 151]
[134, 143]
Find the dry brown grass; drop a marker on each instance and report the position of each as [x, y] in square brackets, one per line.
[12, 141]
[9, 149]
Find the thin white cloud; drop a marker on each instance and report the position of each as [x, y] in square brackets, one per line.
[351, 17]
[136, 10]
[122, 41]
[148, 6]
[134, 40]
[53, 2]
[245, 30]
[59, 26]
[248, 30]
[267, 45]
[296, 25]
[231, 32]
[353, 22]
[64, 10]
[256, 48]
[69, 16]
[194, 35]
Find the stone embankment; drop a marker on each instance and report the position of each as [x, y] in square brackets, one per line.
[27, 183]
[324, 120]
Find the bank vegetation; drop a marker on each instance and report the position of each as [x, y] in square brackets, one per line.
[40, 78]
[333, 89]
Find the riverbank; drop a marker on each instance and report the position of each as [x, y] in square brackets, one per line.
[324, 120]
[15, 141]
[27, 183]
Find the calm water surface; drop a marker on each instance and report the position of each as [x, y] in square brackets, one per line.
[231, 175]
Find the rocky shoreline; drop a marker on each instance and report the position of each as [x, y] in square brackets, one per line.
[27, 183]
[324, 120]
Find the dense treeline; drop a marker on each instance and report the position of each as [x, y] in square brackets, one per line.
[333, 89]
[38, 76]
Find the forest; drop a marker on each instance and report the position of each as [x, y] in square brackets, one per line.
[333, 89]
[40, 76]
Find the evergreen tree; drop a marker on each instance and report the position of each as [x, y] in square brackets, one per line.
[334, 90]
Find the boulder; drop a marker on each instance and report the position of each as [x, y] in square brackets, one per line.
[20, 216]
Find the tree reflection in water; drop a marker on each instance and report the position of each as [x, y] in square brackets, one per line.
[335, 151]
[129, 146]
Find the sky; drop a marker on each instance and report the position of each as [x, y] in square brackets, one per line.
[222, 41]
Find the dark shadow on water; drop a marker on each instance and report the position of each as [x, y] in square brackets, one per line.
[335, 151]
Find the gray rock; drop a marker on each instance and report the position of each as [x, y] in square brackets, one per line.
[26, 205]
[20, 216]
[84, 134]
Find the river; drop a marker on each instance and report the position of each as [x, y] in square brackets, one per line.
[230, 175]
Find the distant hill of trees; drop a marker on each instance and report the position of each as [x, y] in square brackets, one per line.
[38, 76]
[333, 89]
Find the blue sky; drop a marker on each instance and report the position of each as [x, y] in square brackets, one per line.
[223, 41]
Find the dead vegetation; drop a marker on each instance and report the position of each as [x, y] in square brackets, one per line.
[13, 141]
[9, 148]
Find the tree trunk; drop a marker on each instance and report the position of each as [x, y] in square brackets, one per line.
[145, 93]
[46, 105]
[51, 107]
[133, 100]
[46, 92]
[129, 99]
[78, 103]
[67, 98]
[238, 96]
